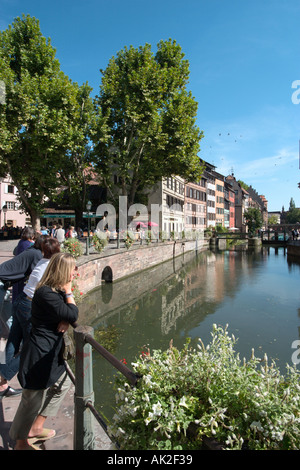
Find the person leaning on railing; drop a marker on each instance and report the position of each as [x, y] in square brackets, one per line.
[15, 270]
[21, 323]
[42, 372]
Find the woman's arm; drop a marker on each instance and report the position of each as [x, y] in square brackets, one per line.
[68, 293]
[55, 305]
[63, 325]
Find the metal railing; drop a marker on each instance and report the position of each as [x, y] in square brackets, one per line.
[84, 435]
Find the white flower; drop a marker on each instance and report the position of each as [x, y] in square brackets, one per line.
[183, 402]
[147, 379]
[157, 409]
[256, 425]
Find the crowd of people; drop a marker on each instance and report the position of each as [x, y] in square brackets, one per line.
[295, 234]
[59, 232]
[10, 232]
[36, 309]
[56, 231]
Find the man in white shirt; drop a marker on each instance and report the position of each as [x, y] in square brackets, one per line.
[60, 234]
[35, 277]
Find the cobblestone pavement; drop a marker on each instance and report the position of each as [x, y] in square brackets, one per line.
[6, 249]
[63, 423]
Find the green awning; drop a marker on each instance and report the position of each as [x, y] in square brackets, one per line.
[66, 216]
[58, 216]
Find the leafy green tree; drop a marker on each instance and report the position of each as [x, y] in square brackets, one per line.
[292, 204]
[293, 216]
[273, 219]
[36, 129]
[77, 169]
[243, 185]
[253, 219]
[151, 119]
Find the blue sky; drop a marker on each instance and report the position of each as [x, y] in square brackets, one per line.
[244, 57]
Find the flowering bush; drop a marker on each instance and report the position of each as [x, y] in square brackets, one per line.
[99, 241]
[78, 295]
[163, 236]
[186, 395]
[73, 246]
[149, 236]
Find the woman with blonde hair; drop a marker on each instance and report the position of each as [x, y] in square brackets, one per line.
[21, 324]
[42, 372]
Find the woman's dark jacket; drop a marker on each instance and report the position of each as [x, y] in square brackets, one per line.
[41, 362]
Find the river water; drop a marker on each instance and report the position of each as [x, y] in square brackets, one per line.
[255, 292]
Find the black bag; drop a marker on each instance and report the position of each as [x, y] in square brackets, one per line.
[68, 347]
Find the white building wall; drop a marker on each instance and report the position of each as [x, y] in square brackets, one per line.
[168, 193]
[210, 209]
[8, 197]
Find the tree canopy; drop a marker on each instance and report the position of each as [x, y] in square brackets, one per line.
[41, 119]
[253, 219]
[141, 127]
[150, 117]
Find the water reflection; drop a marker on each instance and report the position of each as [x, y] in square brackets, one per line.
[255, 292]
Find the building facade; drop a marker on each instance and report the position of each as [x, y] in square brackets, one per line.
[229, 208]
[195, 206]
[210, 195]
[241, 202]
[168, 197]
[220, 201]
[11, 215]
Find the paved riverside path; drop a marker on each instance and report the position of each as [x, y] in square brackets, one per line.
[63, 423]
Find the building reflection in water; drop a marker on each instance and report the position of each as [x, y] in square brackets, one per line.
[169, 300]
[255, 292]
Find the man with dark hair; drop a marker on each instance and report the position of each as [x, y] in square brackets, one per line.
[28, 236]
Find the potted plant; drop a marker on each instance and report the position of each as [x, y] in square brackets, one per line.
[99, 240]
[186, 397]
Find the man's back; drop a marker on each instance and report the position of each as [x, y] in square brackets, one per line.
[60, 235]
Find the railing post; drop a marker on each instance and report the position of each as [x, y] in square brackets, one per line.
[84, 437]
[87, 246]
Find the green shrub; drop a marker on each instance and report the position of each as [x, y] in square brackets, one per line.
[149, 236]
[99, 240]
[129, 238]
[210, 391]
[163, 236]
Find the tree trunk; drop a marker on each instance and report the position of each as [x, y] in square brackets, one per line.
[35, 220]
[78, 216]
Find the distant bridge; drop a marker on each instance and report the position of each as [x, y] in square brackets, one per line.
[275, 235]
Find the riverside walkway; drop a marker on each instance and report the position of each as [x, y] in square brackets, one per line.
[63, 423]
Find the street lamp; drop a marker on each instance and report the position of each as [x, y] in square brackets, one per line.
[4, 208]
[88, 208]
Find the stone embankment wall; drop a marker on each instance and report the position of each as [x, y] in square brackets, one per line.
[293, 248]
[114, 264]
